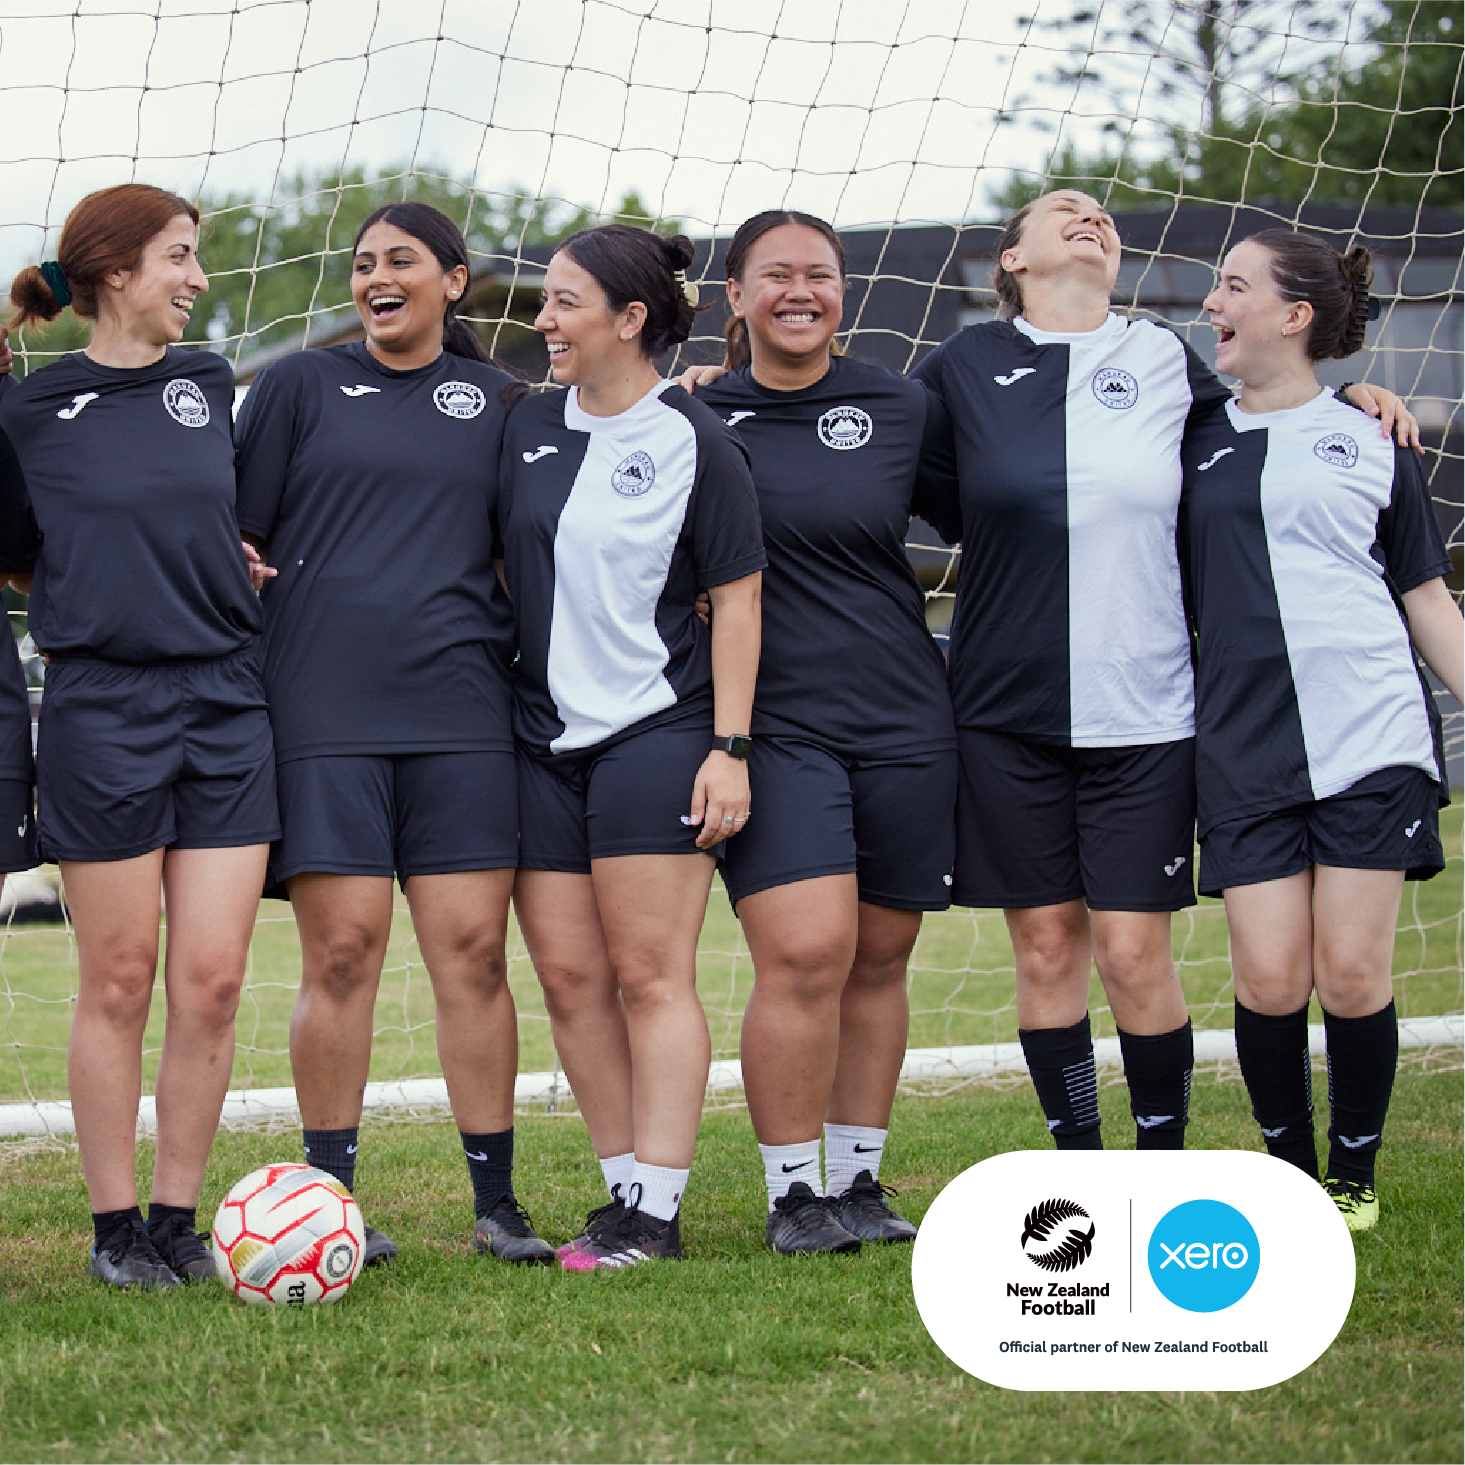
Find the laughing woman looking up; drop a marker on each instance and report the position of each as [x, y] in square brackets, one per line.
[1313, 557]
[625, 498]
[155, 768]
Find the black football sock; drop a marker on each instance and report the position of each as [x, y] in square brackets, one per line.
[1157, 1068]
[1061, 1061]
[334, 1151]
[158, 1214]
[1277, 1068]
[109, 1225]
[490, 1166]
[1363, 1053]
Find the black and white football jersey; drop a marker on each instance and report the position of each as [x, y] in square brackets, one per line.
[611, 526]
[1069, 624]
[1300, 529]
[847, 660]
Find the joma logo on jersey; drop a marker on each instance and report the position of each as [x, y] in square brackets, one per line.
[1337, 448]
[633, 476]
[458, 399]
[844, 428]
[1115, 388]
[186, 403]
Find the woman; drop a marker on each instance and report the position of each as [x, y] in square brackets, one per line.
[155, 769]
[625, 498]
[368, 473]
[1313, 556]
[1070, 658]
[854, 752]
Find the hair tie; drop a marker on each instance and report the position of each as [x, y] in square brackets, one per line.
[1375, 308]
[55, 277]
[689, 290]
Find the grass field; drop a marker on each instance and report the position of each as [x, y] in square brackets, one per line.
[733, 1355]
[961, 986]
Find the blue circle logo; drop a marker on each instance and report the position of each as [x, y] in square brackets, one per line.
[1204, 1255]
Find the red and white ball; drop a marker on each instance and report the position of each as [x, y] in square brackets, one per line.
[291, 1234]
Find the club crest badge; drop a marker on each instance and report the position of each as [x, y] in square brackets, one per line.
[458, 399]
[633, 476]
[186, 403]
[845, 428]
[1054, 1236]
[1338, 449]
[1115, 388]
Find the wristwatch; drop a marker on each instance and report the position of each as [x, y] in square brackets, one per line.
[738, 745]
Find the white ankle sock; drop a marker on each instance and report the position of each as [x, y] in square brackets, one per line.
[617, 1171]
[783, 1165]
[661, 1190]
[848, 1149]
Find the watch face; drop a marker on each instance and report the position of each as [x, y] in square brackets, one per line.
[739, 745]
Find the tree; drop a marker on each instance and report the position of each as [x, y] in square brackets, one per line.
[1386, 132]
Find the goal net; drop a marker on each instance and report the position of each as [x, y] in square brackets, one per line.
[915, 128]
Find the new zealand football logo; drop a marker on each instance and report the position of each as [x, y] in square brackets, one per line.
[186, 403]
[845, 428]
[458, 399]
[1115, 388]
[1044, 1242]
[633, 476]
[1338, 449]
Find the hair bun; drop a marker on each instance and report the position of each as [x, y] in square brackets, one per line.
[679, 251]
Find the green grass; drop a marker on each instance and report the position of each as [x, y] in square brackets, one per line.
[961, 986]
[733, 1355]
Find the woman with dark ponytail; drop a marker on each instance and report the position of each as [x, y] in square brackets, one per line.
[155, 768]
[625, 498]
[368, 473]
[1312, 557]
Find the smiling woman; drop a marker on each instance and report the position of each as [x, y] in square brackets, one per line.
[154, 754]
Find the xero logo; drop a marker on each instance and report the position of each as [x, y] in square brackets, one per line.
[1204, 1255]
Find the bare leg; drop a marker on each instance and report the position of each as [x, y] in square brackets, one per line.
[1053, 954]
[114, 909]
[1271, 943]
[561, 925]
[1132, 953]
[213, 897]
[345, 922]
[1355, 916]
[651, 910]
[803, 938]
[461, 920]
[875, 1018]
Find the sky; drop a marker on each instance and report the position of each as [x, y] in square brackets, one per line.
[865, 111]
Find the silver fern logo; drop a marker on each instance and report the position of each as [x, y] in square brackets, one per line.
[1053, 1236]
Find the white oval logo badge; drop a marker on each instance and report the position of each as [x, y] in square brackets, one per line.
[186, 403]
[1115, 388]
[845, 428]
[633, 476]
[1338, 449]
[459, 399]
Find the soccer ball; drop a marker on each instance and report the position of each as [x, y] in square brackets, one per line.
[291, 1234]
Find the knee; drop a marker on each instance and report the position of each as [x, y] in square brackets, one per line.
[808, 971]
[480, 968]
[340, 964]
[121, 990]
[1053, 948]
[210, 997]
[570, 990]
[648, 987]
[1130, 961]
[878, 973]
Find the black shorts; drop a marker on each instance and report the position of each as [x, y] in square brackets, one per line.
[1041, 823]
[18, 845]
[626, 799]
[399, 814]
[1389, 820]
[889, 821]
[136, 758]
